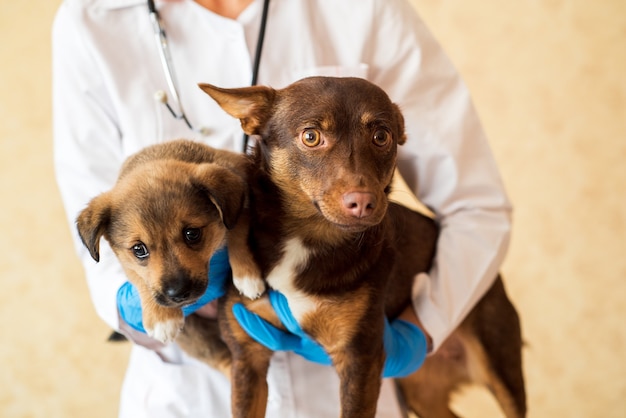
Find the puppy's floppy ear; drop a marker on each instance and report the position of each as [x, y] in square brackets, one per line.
[400, 123]
[226, 190]
[92, 223]
[251, 105]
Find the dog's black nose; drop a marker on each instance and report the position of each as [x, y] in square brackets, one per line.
[178, 289]
[359, 204]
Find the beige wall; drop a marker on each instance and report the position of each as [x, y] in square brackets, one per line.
[548, 78]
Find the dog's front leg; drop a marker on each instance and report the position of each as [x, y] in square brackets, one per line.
[160, 322]
[360, 367]
[355, 344]
[250, 363]
[246, 273]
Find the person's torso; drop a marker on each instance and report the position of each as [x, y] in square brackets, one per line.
[302, 39]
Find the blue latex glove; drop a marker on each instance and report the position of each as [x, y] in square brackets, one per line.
[278, 340]
[129, 304]
[405, 344]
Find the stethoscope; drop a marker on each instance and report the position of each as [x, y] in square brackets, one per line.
[177, 110]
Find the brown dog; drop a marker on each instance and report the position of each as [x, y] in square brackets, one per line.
[173, 206]
[324, 234]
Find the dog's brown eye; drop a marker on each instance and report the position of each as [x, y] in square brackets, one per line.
[192, 234]
[140, 251]
[311, 137]
[381, 137]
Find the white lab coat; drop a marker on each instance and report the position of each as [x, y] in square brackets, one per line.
[106, 70]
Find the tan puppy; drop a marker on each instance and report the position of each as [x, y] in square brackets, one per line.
[325, 235]
[172, 207]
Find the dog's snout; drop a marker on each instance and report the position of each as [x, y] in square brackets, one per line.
[359, 204]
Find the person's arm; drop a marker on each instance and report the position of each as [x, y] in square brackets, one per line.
[448, 163]
[87, 148]
[88, 153]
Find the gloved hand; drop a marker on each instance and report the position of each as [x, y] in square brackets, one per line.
[278, 340]
[129, 304]
[405, 344]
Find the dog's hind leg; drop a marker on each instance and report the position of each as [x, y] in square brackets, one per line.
[200, 338]
[427, 392]
[484, 350]
[497, 341]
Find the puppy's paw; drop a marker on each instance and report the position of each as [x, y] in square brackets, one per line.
[250, 287]
[166, 331]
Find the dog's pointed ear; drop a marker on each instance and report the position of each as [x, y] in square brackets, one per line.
[92, 223]
[401, 126]
[224, 188]
[251, 105]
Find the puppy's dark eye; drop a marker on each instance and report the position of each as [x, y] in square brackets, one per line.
[381, 137]
[140, 251]
[192, 235]
[311, 137]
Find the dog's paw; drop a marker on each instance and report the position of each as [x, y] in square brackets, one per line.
[250, 287]
[166, 331]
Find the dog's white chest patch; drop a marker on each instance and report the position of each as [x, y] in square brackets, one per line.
[282, 278]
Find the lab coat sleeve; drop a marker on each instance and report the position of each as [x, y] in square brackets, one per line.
[87, 147]
[448, 163]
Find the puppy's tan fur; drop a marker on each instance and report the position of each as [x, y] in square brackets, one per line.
[323, 233]
[173, 206]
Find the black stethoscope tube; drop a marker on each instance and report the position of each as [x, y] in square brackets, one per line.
[257, 59]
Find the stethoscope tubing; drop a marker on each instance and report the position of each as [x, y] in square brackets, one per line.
[168, 67]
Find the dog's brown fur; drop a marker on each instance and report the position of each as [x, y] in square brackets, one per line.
[177, 201]
[323, 167]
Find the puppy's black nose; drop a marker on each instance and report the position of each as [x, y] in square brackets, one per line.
[359, 204]
[178, 289]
